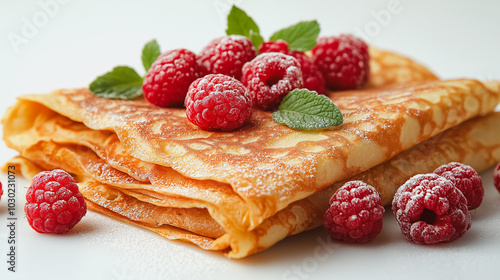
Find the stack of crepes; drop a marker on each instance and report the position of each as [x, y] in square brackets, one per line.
[241, 192]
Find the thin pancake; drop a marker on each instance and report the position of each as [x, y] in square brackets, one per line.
[476, 142]
[267, 165]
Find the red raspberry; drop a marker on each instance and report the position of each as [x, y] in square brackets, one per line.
[274, 46]
[312, 77]
[1, 191]
[313, 80]
[430, 209]
[496, 177]
[168, 79]
[218, 102]
[53, 202]
[227, 55]
[271, 76]
[343, 61]
[355, 213]
[466, 180]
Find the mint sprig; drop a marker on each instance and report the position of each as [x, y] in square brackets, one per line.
[300, 37]
[305, 109]
[150, 53]
[123, 82]
[239, 23]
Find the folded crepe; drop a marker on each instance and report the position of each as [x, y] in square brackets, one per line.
[243, 191]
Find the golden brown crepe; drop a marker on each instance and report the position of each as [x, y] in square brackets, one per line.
[243, 191]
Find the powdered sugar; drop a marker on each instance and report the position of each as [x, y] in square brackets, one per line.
[270, 76]
[429, 209]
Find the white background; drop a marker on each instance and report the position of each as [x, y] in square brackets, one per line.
[73, 41]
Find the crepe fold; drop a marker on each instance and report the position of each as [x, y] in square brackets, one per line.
[243, 191]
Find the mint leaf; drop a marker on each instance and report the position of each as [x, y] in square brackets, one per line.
[256, 39]
[304, 109]
[300, 37]
[150, 53]
[121, 83]
[239, 23]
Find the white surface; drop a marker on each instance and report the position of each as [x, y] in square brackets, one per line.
[83, 39]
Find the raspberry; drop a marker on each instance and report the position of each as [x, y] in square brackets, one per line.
[271, 76]
[312, 77]
[496, 177]
[430, 209]
[1, 191]
[355, 213]
[343, 61]
[53, 202]
[227, 55]
[168, 79]
[218, 102]
[466, 180]
[313, 80]
[274, 46]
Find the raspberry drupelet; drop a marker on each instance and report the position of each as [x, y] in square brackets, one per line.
[355, 213]
[466, 180]
[53, 202]
[218, 102]
[270, 77]
[430, 209]
[343, 61]
[168, 79]
[227, 55]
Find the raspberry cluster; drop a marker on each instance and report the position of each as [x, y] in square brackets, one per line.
[429, 208]
[433, 208]
[337, 62]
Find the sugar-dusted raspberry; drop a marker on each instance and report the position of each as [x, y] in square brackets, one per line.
[227, 55]
[343, 61]
[496, 177]
[218, 102]
[312, 77]
[430, 209]
[466, 180]
[274, 46]
[168, 79]
[271, 76]
[355, 213]
[53, 202]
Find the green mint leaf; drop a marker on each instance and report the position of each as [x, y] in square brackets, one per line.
[300, 37]
[256, 39]
[239, 23]
[121, 83]
[150, 53]
[304, 109]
